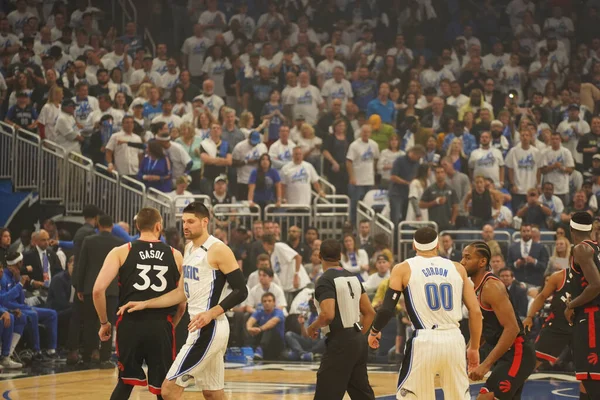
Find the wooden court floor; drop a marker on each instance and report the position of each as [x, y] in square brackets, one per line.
[242, 384]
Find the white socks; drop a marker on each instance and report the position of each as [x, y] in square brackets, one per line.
[15, 341]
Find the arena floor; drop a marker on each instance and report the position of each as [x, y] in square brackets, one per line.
[265, 382]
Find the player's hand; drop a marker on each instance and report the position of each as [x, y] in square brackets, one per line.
[80, 296]
[472, 359]
[569, 314]
[254, 331]
[17, 313]
[105, 332]
[132, 306]
[200, 321]
[6, 318]
[478, 373]
[312, 332]
[527, 324]
[373, 340]
[24, 279]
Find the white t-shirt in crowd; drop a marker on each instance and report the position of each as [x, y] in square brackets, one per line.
[255, 296]
[325, 68]
[305, 101]
[138, 76]
[213, 18]
[375, 280]
[337, 90]
[525, 164]
[195, 48]
[284, 264]
[573, 131]
[555, 204]
[487, 163]
[116, 60]
[48, 117]
[492, 62]
[559, 179]
[363, 156]
[182, 201]
[354, 264]
[298, 180]
[179, 159]
[253, 280]
[215, 69]
[245, 151]
[387, 158]
[172, 121]
[125, 158]
[503, 215]
[280, 153]
[213, 103]
[458, 101]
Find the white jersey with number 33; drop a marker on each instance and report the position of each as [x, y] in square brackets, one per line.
[434, 293]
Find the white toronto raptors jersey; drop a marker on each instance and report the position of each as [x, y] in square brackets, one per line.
[434, 293]
[203, 283]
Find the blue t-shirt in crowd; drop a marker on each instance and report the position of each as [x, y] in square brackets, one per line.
[385, 111]
[151, 111]
[266, 194]
[275, 122]
[364, 92]
[406, 169]
[262, 318]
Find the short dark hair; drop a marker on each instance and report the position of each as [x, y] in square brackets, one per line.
[198, 208]
[147, 218]
[105, 221]
[268, 294]
[506, 269]
[268, 271]
[447, 234]
[263, 257]
[482, 249]
[312, 228]
[268, 238]
[90, 211]
[425, 235]
[331, 250]
[364, 221]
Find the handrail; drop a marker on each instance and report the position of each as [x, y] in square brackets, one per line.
[102, 168]
[413, 224]
[148, 35]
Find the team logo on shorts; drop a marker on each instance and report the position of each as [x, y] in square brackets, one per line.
[592, 358]
[186, 378]
[403, 392]
[504, 386]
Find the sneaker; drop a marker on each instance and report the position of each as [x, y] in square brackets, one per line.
[7, 363]
[306, 357]
[41, 357]
[258, 354]
[72, 358]
[106, 365]
[52, 356]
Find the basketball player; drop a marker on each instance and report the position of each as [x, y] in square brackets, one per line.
[512, 358]
[556, 332]
[208, 264]
[583, 311]
[434, 290]
[146, 268]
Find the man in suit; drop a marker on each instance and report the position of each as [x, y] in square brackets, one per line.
[90, 216]
[447, 249]
[435, 116]
[364, 237]
[60, 299]
[528, 259]
[493, 96]
[94, 250]
[41, 262]
[518, 291]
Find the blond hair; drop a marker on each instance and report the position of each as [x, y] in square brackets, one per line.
[53, 93]
[462, 148]
[567, 243]
[245, 119]
[309, 129]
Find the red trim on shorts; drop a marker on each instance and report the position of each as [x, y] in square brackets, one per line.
[154, 390]
[590, 311]
[116, 338]
[547, 357]
[134, 382]
[170, 319]
[584, 376]
[516, 364]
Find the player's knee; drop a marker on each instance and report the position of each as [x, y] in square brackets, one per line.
[485, 396]
[213, 394]
[169, 390]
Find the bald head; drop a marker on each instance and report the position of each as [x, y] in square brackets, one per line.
[43, 239]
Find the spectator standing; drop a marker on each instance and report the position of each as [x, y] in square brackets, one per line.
[311, 146]
[380, 133]
[211, 101]
[246, 156]
[572, 131]
[257, 92]
[153, 107]
[167, 116]
[50, 113]
[386, 159]
[273, 112]
[181, 163]
[191, 143]
[297, 178]
[461, 184]
[337, 88]
[94, 250]
[22, 114]
[194, 52]
[67, 130]
[447, 250]
[216, 157]
[415, 192]
[85, 104]
[528, 259]
[264, 184]
[441, 201]
[126, 159]
[382, 105]
[281, 151]
[335, 149]
[556, 165]
[404, 171]
[360, 163]
[214, 67]
[516, 290]
[305, 99]
[294, 240]
[155, 168]
[287, 264]
[534, 212]
[589, 144]
[522, 162]
[487, 161]
[554, 203]
[364, 89]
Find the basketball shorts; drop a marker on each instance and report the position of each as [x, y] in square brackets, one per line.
[551, 342]
[149, 340]
[586, 351]
[200, 360]
[511, 371]
[431, 352]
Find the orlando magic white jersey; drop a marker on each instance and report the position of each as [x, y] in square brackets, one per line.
[203, 283]
[434, 293]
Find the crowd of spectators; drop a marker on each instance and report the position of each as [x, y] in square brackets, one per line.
[471, 115]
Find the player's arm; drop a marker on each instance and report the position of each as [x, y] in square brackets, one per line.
[496, 298]
[367, 312]
[182, 306]
[107, 275]
[537, 304]
[470, 301]
[222, 257]
[584, 256]
[398, 280]
[270, 324]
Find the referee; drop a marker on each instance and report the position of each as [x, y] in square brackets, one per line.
[340, 300]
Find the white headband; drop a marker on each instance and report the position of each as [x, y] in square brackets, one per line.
[426, 246]
[580, 227]
[15, 261]
[162, 138]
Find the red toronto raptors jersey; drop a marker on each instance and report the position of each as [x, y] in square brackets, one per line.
[578, 281]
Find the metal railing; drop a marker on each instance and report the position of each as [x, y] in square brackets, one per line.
[132, 195]
[52, 173]
[462, 238]
[382, 225]
[79, 183]
[364, 212]
[229, 216]
[406, 230]
[330, 215]
[547, 239]
[26, 160]
[163, 203]
[105, 190]
[7, 140]
[288, 215]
